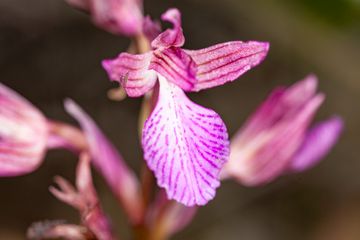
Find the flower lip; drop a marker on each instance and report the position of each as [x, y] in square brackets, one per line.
[185, 145]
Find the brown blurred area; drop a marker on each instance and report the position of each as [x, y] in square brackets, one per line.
[49, 51]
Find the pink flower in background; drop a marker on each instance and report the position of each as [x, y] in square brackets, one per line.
[277, 139]
[184, 144]
[85, 200]
[23, 134]
[116, 16]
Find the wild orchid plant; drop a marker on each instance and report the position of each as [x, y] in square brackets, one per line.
[185, 145]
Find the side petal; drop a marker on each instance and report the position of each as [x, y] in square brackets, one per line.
[185, 145]
[176, 66]
[318, 142]
[109, 162]
[225, 62]
[170, 37]
[131, 71]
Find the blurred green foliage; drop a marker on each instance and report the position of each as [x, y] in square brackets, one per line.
[340, 13]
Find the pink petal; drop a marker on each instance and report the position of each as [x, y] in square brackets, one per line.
[109, 162]
[23, 134]
[185, 145]
[225, 62]
[176, 66]
[318, 142]
[266, 155]
[170, 37]
[131, 71]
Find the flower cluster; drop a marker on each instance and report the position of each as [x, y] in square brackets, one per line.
[185, 145]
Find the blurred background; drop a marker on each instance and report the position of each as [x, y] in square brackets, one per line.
[49, 51]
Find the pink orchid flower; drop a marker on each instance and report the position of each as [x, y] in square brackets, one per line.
[85, 200]
[276, 139]
[23, 134]
[116, 16]
[185, 144]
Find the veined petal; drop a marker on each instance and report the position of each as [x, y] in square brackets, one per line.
[132, 72]
[176, 66]
[109, 162]
[318, 142]
[170, 37]
[225, 62]
[185, 145]
[23, 134]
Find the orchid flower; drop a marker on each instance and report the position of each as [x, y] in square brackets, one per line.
[116, 16]
[185, 144]
[23, 134]
[84, 199]
[277, 139]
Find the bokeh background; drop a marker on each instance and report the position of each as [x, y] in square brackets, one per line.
[49, 51]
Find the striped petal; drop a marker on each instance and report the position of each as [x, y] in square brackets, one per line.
[23, 134]
[131, 71]
[170, 37]
[176, 66]
[318, 142]
[225, 62]
[185, 145]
